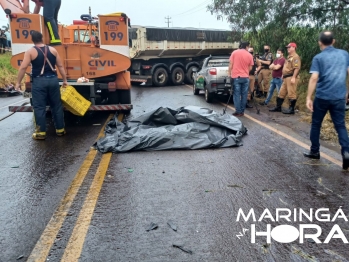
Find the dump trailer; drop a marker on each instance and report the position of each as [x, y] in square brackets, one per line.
[98, 52]
[161, 56]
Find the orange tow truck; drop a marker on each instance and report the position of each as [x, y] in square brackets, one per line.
[96, 48]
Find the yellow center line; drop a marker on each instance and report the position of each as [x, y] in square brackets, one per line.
[44, 244]
[294, 140]
[76, 242]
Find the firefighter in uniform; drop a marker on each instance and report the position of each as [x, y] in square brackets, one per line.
[252, 78]
[50, 13]
[290, 75]
[264, 71]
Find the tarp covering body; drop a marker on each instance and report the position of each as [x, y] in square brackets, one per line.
[188, 127]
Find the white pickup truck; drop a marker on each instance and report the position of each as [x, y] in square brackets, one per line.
[213, 77]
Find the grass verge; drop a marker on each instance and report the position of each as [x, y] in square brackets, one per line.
[8, 75]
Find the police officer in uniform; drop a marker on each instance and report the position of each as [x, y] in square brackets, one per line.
[290, 74]
[252, 78]
[264, 71]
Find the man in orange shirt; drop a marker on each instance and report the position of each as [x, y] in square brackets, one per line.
[241, 63]
[51, 9]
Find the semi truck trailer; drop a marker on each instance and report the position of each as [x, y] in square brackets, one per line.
[162, 56]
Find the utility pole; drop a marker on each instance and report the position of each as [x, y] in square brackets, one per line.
[168, 21]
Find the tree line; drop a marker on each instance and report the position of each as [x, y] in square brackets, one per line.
[278, 22]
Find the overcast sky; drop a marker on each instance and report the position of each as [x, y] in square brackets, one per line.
[183, 13]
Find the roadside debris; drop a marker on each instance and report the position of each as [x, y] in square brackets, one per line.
[268, 192]
[237, 186]
[130, 170]
[152, 226]
[9, 91]
[301, 254]
[172, 225]
[20, 257]
[183, 249]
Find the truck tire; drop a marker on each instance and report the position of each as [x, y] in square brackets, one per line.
[195, 90]
[113, 98]
[125, 96]
[208, 96]
[160, 77]
[177, 76]
[189, 75]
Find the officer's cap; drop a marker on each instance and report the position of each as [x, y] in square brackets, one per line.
[292, 45]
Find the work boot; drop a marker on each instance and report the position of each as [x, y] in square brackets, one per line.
[60, 132]
[259, 94]
[248, 106]
[345, 156]
[291, 108]
[39, 135]
[312, 155]
[279, 102]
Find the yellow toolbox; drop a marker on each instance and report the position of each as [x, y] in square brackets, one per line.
[73, 101]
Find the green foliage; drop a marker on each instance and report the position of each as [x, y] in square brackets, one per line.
[7, 73]
[279, 22]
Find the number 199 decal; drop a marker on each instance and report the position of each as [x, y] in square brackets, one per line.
[24, 33]
[113, 36]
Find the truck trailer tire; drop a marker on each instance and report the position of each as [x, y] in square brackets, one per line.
[189, 75]
[160, 77]
[177, 76]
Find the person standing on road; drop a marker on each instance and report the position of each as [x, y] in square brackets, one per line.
[8, 37]
[3, 42]
[251, 77]
[241, 63]
[329, 80]
[276, 68]
[264, 72]
[51, 9]
[290, 75]
[45, 84]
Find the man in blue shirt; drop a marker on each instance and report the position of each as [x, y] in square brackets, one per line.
[329, 71]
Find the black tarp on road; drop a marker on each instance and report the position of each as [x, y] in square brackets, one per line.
[188, 127]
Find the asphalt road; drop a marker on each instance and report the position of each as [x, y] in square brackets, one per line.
[200, 191]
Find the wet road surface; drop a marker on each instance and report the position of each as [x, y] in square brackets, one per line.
[201, 191]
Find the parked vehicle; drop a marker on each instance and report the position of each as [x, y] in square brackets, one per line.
[212, 78]
[161, 56]
[103, 61]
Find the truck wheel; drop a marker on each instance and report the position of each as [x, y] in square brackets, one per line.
[160, 77]
[177, 76]
[208, 96]
[125, 96]
[113, 98]
[189, 75]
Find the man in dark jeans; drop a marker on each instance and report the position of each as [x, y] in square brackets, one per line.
[241, 62]
[50, 13]
[45, 84]
[329, 80]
